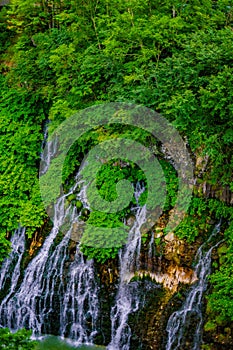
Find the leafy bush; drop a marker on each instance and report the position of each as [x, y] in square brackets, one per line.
[19, 340]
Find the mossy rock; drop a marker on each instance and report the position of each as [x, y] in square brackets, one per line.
[206, 347]
[210, 326]
[222, 249]
[71, 197]
[79, 205]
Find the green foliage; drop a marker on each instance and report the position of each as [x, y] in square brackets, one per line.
[96, 241]
[171, 184]
[21, 117]
[60, 57]
[105, 232]
[19, 340]
[220, 301]
[4, 246]
[5, 33]
[103, 236]
[160, 55]
[220, 209]
[210, 326]
[195, 221]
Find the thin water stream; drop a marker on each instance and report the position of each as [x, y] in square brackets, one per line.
[184, 326]
[126, 299]
[52, 295]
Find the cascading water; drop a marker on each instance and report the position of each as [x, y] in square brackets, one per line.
[81, 289]
[127, 300]
[48, 153]
[184, 326]
[52, 296]
[24, 308]
[55, 290]
[10, 270]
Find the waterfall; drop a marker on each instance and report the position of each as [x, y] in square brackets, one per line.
[53, 294]
[81, 290]
[10, 270]
[22, 309]
[48, 153]
[43, 294]
[184, 326]
[126, 299]
[151, 246]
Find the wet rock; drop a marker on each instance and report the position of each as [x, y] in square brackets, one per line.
[85, 212]
[171, 278]
[130, 220]
[71, 197]
[77, 231]
[169, 237]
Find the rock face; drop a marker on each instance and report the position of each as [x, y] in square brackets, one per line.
[203, 188]
[163, 275]
[207, 190]
[77, 231]
[172, 267]
[172, 278]
[149, 323]
[37, 239]
[108, 275]
[36, 243]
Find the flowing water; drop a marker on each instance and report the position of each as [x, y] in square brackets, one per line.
[81, 290]
[184, 326]
[24, 308]
[53, 294]
[48, 153]
[51, 288]
[57, 294]
[10, 270]
[43, 293]
[127, 301]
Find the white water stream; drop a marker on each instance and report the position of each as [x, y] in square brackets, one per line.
[189, 319]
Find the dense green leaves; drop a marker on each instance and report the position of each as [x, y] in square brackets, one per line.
[21, 118]
[19, 340]
[58, 57]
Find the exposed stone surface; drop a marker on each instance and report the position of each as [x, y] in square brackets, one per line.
[108, 275]
[36, 243]
[77, 231]
[171, 279]
[218, 192]
[37, 239]
[149, 323]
